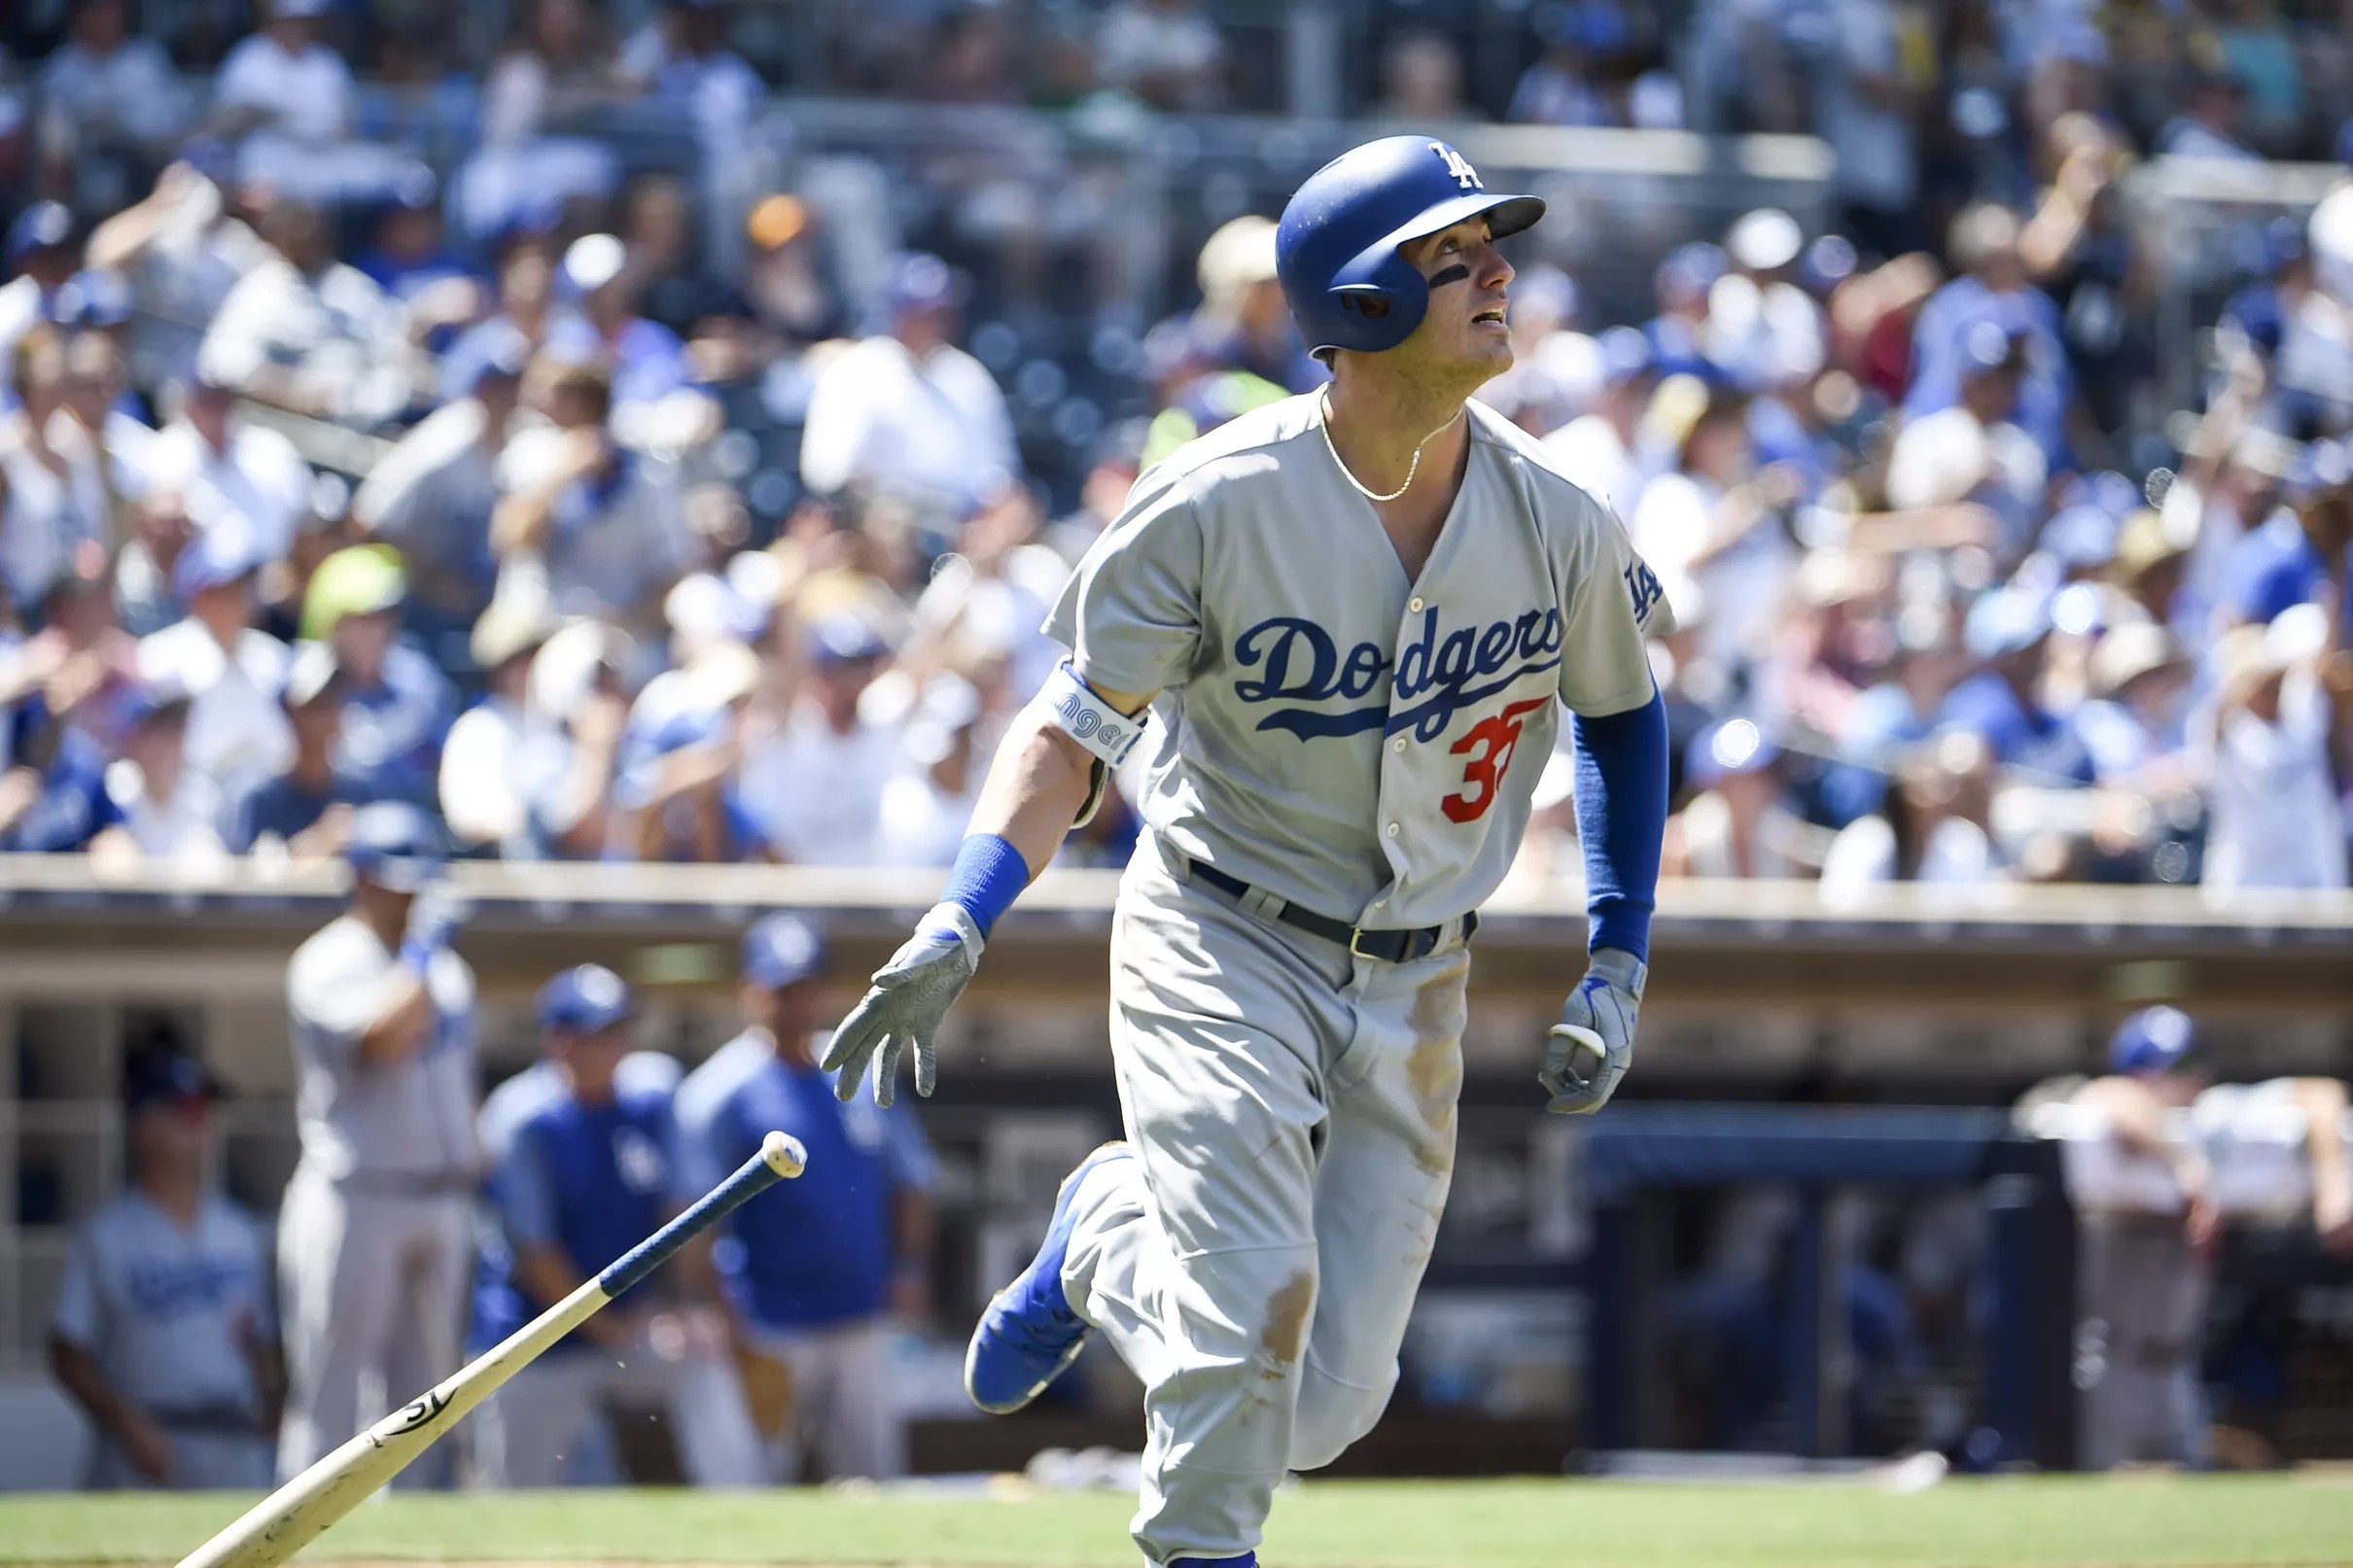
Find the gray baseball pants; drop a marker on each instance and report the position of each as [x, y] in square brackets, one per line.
[1292, 1113]
[373, 1291]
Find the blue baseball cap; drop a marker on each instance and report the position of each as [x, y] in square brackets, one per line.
[45, 226]
[2320, 466]
[165, 1077]
[1692, 269]
[2155, 1039]
[589, 263]
[1729, 749]
[213, 559]
[501, 351]
[1828, 261]
[920, 281]
[844, 639]
[1988, 344]
[584, 999]
[394, 845]
[2007, 620]
[94, 297]
[164, 701]
[1626, 352]
[782, 949]
[2082, 534]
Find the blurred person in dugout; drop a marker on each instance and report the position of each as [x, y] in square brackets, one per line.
[163, 1330]
[581, 1173]
[821, 1273]
[2147, 1258]
[376, 1227]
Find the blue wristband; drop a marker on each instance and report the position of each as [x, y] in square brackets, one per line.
[987, 875]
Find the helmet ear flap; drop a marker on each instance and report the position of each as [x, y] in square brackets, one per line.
[1386, 299]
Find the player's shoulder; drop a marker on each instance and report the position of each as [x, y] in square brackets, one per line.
[646, 1076]
[336, 949]
[227, 1223]
[547, 1109]
[513, 1104]
[1557, 499]
[1249, 445]
[120, 1224]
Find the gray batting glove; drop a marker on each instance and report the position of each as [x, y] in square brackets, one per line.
[903, 1007]
[1590, 1049]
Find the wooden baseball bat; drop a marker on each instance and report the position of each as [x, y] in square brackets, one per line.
[298, 1512]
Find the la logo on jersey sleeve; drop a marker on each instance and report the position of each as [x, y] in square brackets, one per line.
[1643, 586]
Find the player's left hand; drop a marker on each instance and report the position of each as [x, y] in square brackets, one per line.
[903, 1007]
[1590, 1049]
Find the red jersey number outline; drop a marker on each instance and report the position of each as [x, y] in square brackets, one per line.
[1493, 739]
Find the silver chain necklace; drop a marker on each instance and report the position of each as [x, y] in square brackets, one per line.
[1324, 399]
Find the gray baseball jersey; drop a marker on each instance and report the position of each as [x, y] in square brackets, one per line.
[413, 1120]
[1367, 746]
[168, 1313]
[1328, 731]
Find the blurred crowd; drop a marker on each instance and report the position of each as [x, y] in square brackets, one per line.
[692, 512]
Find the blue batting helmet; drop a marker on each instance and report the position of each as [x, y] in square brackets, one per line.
[2155, 1039]
[584, 999]
[782, 949]
[395, 846]
[1336, 248]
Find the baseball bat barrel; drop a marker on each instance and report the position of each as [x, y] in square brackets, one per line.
[298, 1512]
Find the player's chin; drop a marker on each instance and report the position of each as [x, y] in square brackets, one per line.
[1488, 347]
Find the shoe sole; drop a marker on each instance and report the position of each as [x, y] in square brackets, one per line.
[1103, 1154]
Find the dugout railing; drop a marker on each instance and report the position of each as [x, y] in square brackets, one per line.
[1761, 993]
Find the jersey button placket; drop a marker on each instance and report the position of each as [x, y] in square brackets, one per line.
[1395, 773]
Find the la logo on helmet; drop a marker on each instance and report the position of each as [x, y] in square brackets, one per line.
[1459, 166]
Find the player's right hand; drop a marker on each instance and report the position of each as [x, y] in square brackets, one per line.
[902, 1008]
[146, 1446]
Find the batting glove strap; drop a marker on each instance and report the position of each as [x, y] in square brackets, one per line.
[1621, 969]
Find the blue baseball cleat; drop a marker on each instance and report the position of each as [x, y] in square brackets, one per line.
[1028, 1335]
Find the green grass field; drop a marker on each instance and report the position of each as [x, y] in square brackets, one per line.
[2212, 1523]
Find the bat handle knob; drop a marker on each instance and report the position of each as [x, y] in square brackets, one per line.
[784, 1154]
[1584, 1039]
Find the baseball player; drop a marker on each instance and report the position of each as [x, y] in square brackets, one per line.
[375, 1231]
[163, 1330]
[817, 1271]
[582, 1176]
[1346, 621]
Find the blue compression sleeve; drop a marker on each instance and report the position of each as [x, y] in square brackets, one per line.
[989, 874]
[1621, 790]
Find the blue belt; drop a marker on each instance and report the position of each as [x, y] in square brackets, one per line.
[1390, 946]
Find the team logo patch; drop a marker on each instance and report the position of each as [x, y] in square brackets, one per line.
[1435, 676]
[1642, 588]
